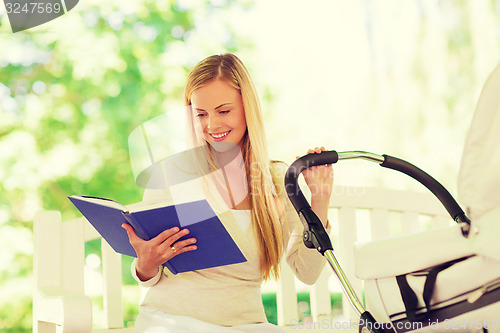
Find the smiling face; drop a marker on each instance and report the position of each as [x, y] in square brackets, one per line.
[218, 109]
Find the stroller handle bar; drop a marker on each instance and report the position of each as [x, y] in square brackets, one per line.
[330, 157]
[315, 235]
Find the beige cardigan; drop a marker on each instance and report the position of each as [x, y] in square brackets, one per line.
[230, 295]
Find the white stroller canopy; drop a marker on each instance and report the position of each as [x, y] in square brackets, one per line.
[439, 275]
[479, 176]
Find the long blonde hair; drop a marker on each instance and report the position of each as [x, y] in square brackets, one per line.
[266, 204]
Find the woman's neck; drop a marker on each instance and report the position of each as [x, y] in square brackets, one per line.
[234, 189]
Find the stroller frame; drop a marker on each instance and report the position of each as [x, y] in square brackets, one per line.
[315, 235]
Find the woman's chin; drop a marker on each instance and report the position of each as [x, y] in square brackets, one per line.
[223, 146]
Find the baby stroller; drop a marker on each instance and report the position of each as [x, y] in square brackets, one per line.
[453, 285]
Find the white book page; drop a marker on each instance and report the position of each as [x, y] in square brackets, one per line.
[139, 206]
[146, 205]
[102, 202]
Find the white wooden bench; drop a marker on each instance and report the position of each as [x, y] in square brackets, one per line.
[60, 303]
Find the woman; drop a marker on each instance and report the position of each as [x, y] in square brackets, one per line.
[224, 114]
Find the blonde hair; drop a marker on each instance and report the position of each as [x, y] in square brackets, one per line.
[266, 201]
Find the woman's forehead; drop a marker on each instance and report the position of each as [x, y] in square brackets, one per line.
[214, 94]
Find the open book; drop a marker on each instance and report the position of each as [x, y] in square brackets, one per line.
[215, 247]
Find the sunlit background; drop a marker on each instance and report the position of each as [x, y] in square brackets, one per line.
[386, 76]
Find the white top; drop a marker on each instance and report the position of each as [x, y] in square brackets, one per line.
[242, 217]
[230, 295]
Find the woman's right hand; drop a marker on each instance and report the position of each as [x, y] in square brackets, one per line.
[153, 253]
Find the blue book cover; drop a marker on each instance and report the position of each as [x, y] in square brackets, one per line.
[215, 247]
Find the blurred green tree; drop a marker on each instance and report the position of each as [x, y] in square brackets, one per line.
[71, 91]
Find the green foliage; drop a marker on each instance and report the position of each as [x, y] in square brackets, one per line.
[304, 305]
[71, 91]
[15, 306]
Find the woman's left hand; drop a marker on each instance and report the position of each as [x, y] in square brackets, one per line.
[319, 178]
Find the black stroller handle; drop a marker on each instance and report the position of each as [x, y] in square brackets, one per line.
[315, 235]
[451, 205]
[329, 157]
[292, 175]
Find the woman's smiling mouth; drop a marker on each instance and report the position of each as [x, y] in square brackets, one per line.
[219, 136]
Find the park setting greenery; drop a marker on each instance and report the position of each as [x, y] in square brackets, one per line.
[72, 91]
[69, 100]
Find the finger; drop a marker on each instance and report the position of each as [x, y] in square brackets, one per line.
[165, 235]
[184, 243]
[316, 150]
[184, 249]
[132, 236]
[173, 238]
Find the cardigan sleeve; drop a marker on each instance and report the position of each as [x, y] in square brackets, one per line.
[148, 283]
[306, 263]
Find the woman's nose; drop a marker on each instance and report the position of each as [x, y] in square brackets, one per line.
[213, 122]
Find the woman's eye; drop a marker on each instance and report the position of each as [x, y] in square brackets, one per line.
[200, 115]
[225, 111]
